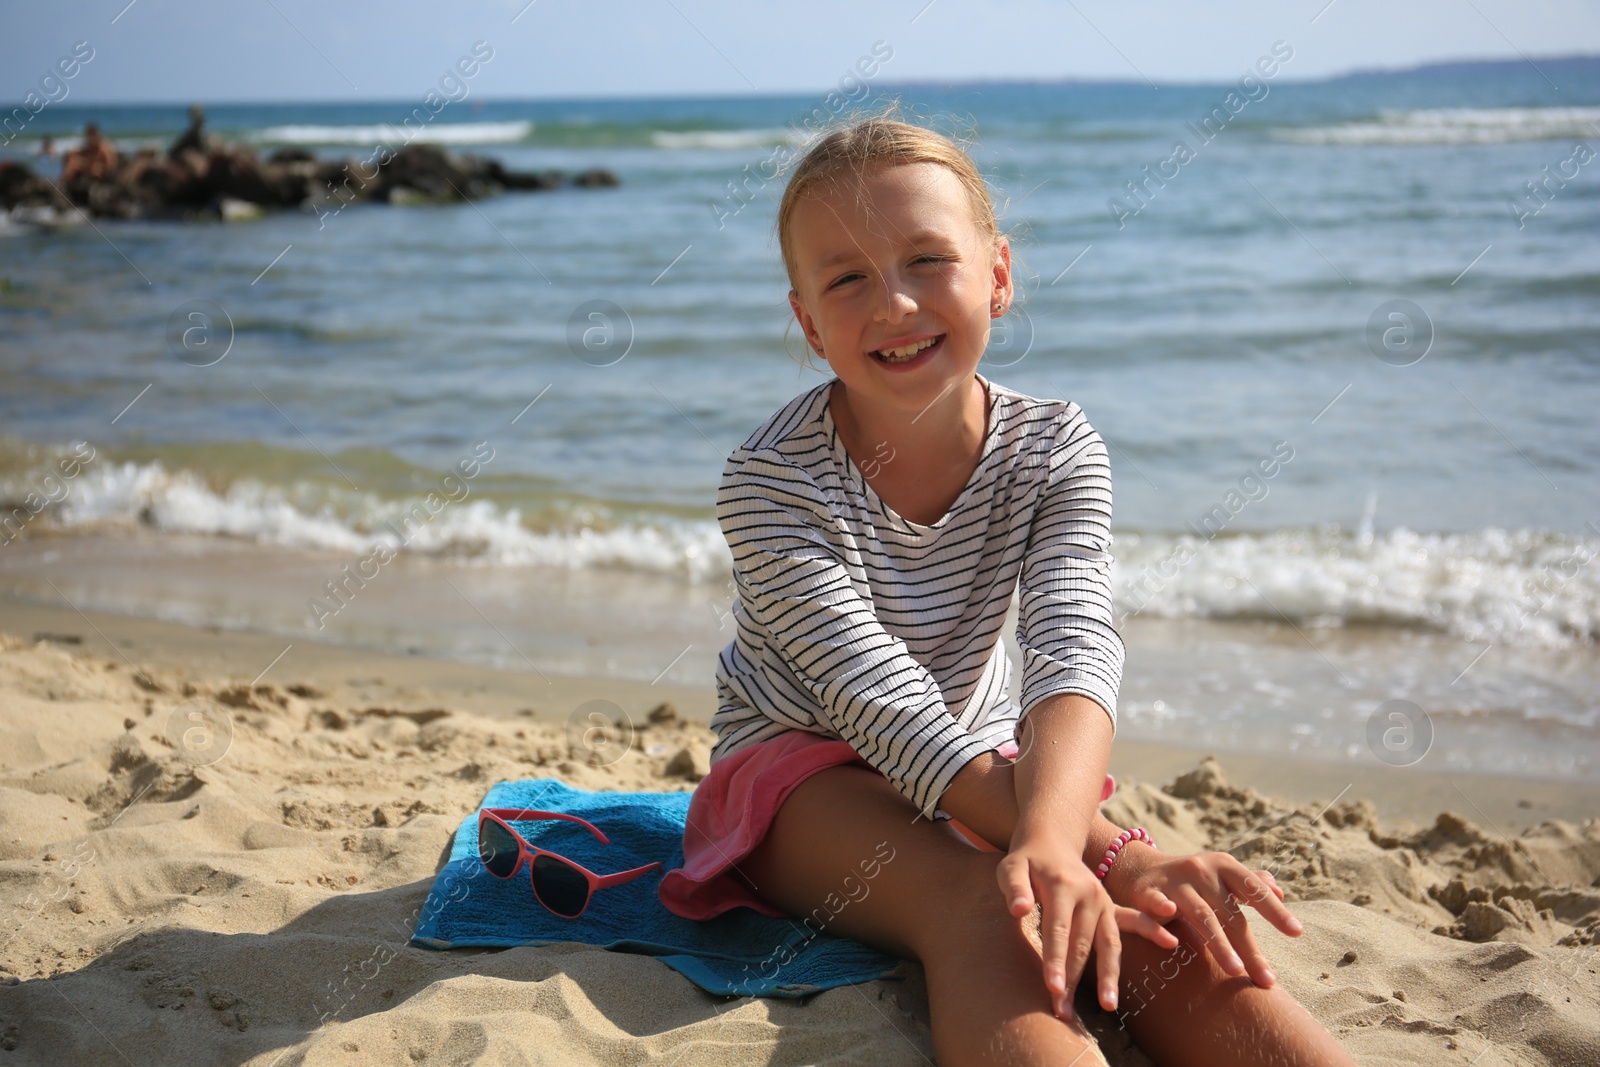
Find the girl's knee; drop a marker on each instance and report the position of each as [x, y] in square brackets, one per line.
[966, 910]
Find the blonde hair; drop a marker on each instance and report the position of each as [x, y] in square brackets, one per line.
[880, 139]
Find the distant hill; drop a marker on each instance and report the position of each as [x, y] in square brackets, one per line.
[1585, 65]
[1466, 67]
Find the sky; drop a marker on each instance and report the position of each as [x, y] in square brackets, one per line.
[224, 51]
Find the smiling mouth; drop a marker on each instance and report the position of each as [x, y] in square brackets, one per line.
[906, 353]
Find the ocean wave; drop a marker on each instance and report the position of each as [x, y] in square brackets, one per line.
[1459, 125]
[1511, 586]
[474, 531]
[385, 133]
[727, 139]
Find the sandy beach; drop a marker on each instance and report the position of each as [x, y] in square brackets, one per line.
[145, 886]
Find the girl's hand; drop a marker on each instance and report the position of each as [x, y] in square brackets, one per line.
[1078, 914]
[1208, 889]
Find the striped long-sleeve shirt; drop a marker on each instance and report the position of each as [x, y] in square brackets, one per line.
[852, 622]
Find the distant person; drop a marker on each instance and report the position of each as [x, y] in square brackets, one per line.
[93, 160]
[47, 150]
[194, 148]
[194, 138]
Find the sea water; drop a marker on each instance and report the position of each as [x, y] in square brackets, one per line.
[1381, 288]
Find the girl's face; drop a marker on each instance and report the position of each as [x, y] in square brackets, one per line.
[894, 261]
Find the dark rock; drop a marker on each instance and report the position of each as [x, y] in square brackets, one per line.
[202, 175]
[531, 180]
[431, 171]
[292, 155]
[20, 186]
[596, 177]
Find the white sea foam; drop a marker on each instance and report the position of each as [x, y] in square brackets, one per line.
[725, 139]
[1457, 125]
[385, 133]
[181, 502]
[1511, 586]
[472, 530]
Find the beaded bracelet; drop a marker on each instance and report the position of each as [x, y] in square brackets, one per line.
[1136, 834]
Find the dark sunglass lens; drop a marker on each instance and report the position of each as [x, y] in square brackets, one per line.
[497, 848]
[562, 889]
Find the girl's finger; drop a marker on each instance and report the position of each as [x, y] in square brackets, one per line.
[1055, 930]
[1245, 885]
[1080, 941]
[1201, 913]
[1137, 922]
[1014, 884]
[1108, 955]
[1244, 944]
[1258, 885]
[1157, 903]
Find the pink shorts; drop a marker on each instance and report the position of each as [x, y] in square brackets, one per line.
[733, 807]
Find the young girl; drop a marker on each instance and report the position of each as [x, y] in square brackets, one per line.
[871, 772]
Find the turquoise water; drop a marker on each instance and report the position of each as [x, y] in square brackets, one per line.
[1224, 314]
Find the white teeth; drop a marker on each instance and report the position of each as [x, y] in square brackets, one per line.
[900, 355]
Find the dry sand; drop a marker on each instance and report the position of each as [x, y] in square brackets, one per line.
[161, 907]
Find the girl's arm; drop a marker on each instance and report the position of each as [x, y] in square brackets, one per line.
[1064, 747]
[1052, 807]
[1063, 755]
[1028, 804]
[986, 791]
[988, 794]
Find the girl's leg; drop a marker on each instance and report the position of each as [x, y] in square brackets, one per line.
[1184, 1010]
[936, 900]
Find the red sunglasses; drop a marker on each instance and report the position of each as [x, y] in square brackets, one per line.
[559, 884]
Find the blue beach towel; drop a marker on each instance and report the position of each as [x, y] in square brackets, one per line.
[739, 953]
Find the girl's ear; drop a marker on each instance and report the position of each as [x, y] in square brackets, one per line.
[807, 325]
[1002, 290]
